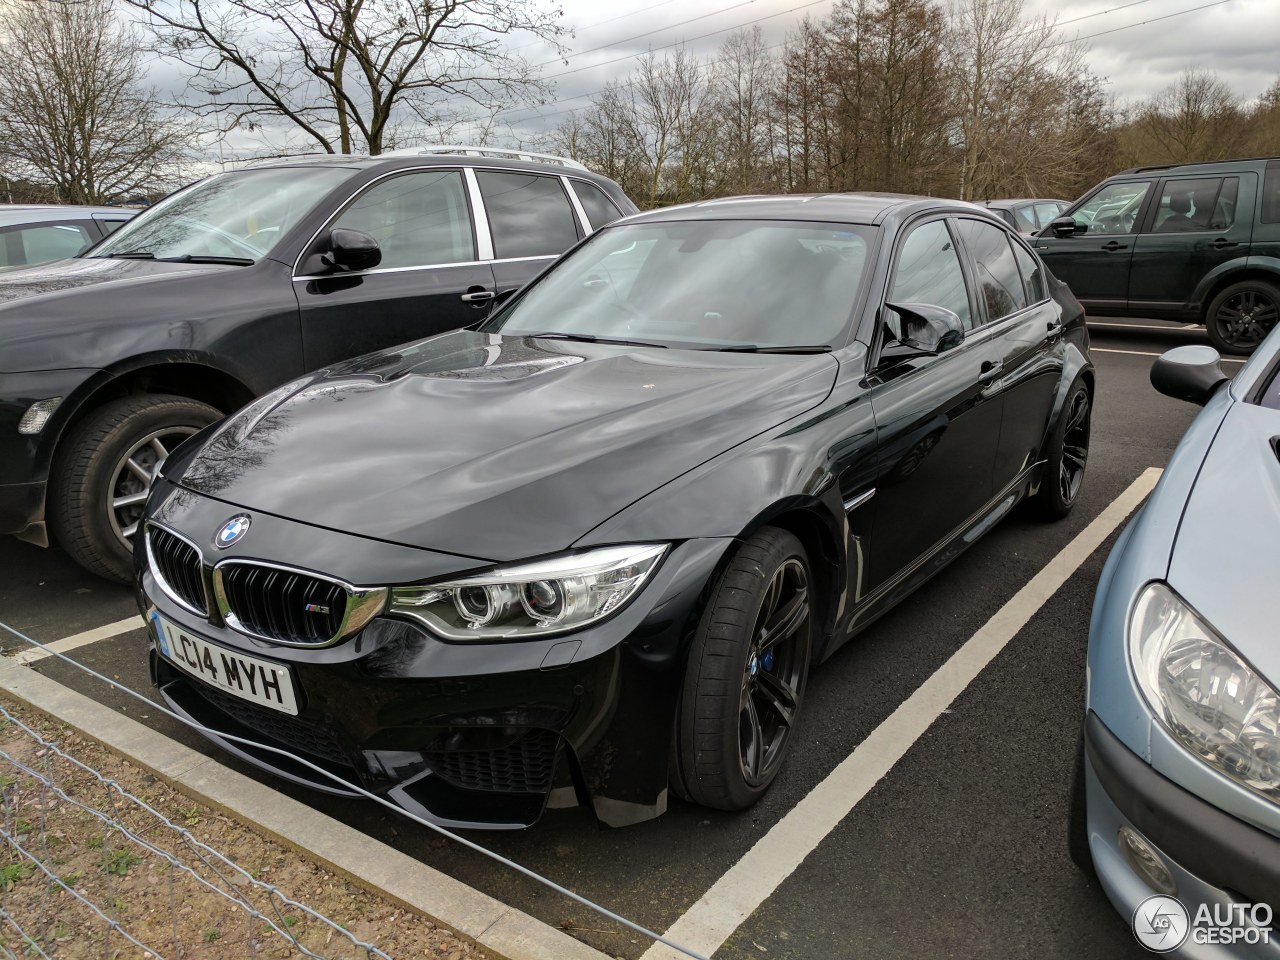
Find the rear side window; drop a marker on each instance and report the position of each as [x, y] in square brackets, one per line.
[999, 282]
[39, 244]
[1046, 213]
[1192, 205]
[529, 215]
[1271, 193]
[418, 219]
[600, 209]
[1032, 272]
[928, 271]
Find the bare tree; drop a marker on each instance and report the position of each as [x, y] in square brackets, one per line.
[1196, 117]
[338, 71]
[744, 84]
[73, 110]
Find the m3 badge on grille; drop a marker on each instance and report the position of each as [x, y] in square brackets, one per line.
[315, 608]
[231, 531]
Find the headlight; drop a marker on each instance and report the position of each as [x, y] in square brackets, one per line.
[1204, 692]
[533, 599]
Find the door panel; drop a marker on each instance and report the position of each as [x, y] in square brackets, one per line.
[1197, 224]
[511, 275]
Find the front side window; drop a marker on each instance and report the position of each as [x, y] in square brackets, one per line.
[1032, 272]
[999, 283]
[702, 284]
[237, 216]
[1114, 208]
[928, 271]
[419, 219]
[529, 215]
[42, 242]
[1190, 205]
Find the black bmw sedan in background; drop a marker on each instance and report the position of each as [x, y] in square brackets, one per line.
[591, 550]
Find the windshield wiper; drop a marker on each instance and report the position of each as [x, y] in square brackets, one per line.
[756, 348]
[127, 255]
[592, 338]
[203, 258]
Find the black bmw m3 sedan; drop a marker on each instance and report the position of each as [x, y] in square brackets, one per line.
[589, 551]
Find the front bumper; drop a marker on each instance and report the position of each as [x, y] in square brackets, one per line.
[1215, 859]
[464, 734]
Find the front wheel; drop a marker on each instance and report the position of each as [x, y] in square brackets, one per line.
[1068, 455]
[746, 675]
[103, 473]
[1240, 317]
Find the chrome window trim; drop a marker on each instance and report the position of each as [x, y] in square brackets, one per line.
[480, 216]
[164, 584]
[578, 209]
[363, 603]
[368, 185]
[433, 266]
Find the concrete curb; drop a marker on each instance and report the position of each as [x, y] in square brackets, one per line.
[502, 930]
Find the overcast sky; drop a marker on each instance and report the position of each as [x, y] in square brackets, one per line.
[1140, 46]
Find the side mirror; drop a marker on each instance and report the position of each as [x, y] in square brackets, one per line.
[1067, 227]
[926, 330]
[1191, 373]
[352, 250]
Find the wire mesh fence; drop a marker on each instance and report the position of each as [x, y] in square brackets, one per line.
[89, 868]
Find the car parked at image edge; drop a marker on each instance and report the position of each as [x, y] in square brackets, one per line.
[37, 233]
[237, 284]
[591, 549]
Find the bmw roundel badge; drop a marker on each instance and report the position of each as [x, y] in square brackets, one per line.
[231, 531]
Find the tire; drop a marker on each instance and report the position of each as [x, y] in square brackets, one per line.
[734, 688]
[92, 471]
[1068, 455]
[1077, 815]
[1241, 315]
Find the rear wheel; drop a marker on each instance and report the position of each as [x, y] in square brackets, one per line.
[1068, 455]
[103, 474]
[1242, 315]
[746, 675]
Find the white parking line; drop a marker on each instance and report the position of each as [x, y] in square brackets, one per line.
[737, 894]
[80, 639]
[1148, 353]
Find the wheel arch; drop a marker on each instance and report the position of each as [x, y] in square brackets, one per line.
[1263, 269]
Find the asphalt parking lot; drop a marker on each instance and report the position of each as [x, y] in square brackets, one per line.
[959, 852]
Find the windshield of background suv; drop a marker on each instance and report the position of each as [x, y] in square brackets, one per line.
[231, 217]
[701, 284]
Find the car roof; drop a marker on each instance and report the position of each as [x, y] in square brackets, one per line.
[1012, 202]
[1206, 166]
[433, 157]
[864, 208]
[14, 214]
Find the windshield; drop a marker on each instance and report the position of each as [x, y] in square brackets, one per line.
[233, 217]
[701, 284]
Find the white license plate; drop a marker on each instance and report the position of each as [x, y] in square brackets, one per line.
[259, 681]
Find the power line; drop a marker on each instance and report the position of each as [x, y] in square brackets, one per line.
[601, 23]
[1143, 23]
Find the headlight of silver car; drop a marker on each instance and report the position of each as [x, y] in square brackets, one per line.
[532, 599]
[1204, 692]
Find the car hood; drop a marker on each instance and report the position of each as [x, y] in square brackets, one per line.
[80, 276]
[492, 447]
[1228, 544]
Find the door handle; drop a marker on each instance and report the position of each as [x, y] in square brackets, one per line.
[991, 369]
[1114, 245]
[1222, 243]
[478, 296]
[1055, 329]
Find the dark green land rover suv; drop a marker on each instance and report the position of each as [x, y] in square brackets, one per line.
[1193, 242]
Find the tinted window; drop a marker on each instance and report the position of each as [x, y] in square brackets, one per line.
[600, 209]
[703, 284]
[1114, 208]
[111, 226]
[1024, 218]
[1032, 272]
[1271, 193]
[1046, 213]
[928, 271]
[41, 243]
[1205, 204]
[418, 219]
[999, 282]
[529, 215]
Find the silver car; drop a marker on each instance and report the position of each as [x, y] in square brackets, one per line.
[38, 233]
[1177, 796]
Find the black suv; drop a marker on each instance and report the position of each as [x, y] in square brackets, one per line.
[1193, 242]
[238, 283]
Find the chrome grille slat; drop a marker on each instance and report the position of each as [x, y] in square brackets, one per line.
[177, 565]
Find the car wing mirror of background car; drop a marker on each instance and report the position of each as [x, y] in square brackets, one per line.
[351, 250]
[1067, 227]
[927, 330]
[1192, 373]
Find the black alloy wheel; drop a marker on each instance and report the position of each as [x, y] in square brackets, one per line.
[1068, 454]
[1241, 316]
[745, 681]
